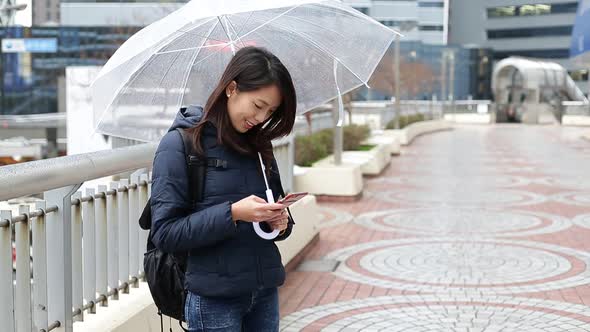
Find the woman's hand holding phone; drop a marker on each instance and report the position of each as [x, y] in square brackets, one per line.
[256, 209]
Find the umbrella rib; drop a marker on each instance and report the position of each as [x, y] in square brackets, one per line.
[316, 25]
[231, 41]
[244, 25]
[322, 49]
[185, 79]
[141, 68]
[231, 26]
[269, 21]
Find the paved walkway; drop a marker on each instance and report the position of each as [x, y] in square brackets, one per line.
[475, 229]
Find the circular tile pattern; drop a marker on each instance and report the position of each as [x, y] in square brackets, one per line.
[583, 220]
[331, 217]
[441, 313]
[580, 183]
[469, 264]
[463, 221]
[575, 198]
[463, 198]
[440, 319]
[452, 182]
[456, 266]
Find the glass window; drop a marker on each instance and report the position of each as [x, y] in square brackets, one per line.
[431, 4]
[532, 10]
[546, 54]
[530, 32]
[502, 11]
[431, 28]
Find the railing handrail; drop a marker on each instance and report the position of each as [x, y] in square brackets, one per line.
[42, 175]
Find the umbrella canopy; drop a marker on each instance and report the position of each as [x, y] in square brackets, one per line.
[328, 47]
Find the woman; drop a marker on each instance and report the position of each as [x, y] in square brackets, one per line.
[232, 274]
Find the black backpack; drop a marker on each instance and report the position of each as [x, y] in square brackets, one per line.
[164, 272]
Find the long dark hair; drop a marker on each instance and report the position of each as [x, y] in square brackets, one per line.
[252, 68]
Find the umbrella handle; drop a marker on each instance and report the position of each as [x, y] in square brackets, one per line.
[267, 236]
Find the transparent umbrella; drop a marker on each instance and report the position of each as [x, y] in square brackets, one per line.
[328, 47]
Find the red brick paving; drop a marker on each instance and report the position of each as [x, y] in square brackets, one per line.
[441, 151]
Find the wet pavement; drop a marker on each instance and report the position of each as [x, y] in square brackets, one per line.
[482, 228]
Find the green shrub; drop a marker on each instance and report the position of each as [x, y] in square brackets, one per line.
[405, 120]
[354, 135]
[311, 148]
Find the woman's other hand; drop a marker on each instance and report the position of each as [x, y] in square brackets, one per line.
[280, 222]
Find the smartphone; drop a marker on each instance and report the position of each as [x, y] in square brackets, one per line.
[292, 198]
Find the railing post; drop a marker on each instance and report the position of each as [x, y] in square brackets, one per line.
[59, 258]
[143, 234]
[6, 289]
[123, 255]
[89, 249]
[77, 265]
[22, 302]
[134, 228]
[40, 270]
[101, 243]
[113, 239]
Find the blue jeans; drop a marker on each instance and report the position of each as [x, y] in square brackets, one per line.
[255, 312]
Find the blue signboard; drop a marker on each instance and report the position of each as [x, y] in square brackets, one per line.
[29, 45]
[581, 33]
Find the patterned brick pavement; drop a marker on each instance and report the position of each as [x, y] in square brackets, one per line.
[483, 228]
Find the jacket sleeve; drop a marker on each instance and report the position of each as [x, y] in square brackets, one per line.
[276, 180]
[175, 227]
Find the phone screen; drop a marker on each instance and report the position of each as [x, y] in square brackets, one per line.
[292, 198]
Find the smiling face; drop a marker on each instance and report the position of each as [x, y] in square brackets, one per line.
[248, 109]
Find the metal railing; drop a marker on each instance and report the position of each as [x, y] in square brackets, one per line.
[377, 114]
[86, 246]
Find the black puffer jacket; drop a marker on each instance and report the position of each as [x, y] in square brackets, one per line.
[224, 259]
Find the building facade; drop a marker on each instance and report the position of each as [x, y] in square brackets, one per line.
[419, 20]
[528, 28]
[33, 61]
[115, 12]
[45, 12]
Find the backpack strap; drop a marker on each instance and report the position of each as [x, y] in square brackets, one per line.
[196, 167]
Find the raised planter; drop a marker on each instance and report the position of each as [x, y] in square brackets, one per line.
[470, 118]
[407, 135]
[575, 120]
[372, 162]
[306, 215]
[329, 179]
[390, 141]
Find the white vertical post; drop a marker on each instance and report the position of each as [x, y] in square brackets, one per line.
[397, 83]
[39, 270]
[89, 246]
[59, 258]
[6, 288]
[77, 275]
[22, 302]
[443, 80]
[337, 134]
[134, 228]
[143, 234]
[452, 79]
[101, 243]
[123, 204]
[113, 240]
